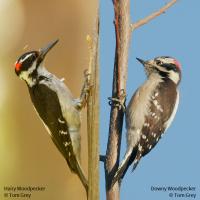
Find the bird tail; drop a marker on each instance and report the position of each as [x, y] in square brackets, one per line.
[136, 160]
[76, 152]
[75, 166]
[123, 167]
[81, 176]
[71, 153]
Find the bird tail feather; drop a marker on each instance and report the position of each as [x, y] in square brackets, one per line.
[82, 176]
[123, 166]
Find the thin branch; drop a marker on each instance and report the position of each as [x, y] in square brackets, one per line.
[152, 16]
[93, 114]
[122, 31]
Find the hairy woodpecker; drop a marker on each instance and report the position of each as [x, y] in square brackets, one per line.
[151, 110]
[55, 105]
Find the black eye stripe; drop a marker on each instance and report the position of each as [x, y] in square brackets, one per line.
[169, 66]
[27, 62]
[162, 73]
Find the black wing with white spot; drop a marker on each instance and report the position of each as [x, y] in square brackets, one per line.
[160, 111]
[48, 107]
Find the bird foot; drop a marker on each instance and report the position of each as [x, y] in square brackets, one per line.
[82, 101]
[119, 102]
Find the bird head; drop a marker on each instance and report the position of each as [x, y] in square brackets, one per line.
[28, 63]
[165, 66]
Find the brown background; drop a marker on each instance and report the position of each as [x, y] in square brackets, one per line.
[27, 155]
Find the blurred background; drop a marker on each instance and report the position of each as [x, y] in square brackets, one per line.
[27, 155]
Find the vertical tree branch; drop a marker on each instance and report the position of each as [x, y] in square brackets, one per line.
[123, 31]
[93, 115]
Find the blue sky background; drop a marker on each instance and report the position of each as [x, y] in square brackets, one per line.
[175, 160]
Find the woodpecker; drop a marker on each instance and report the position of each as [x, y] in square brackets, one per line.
[55, 105]
[151, 110]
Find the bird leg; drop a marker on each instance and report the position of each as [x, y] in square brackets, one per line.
[82, 101]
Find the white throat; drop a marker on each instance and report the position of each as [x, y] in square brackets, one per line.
[26, 75]
[30, 80]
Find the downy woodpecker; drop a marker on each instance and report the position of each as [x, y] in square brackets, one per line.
[151, 110]
[54, 103]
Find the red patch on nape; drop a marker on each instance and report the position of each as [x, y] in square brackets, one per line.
[178, 64]
[18, 66]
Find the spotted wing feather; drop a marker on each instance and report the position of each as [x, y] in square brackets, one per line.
[161, 110]
[47, 105]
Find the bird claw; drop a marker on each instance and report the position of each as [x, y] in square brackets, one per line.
[118, 101]
[87, 74]
[81, 102]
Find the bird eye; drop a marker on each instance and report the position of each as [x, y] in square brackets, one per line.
[159, 62]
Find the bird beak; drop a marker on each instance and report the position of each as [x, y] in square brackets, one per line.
[43, 51]
[141, 61]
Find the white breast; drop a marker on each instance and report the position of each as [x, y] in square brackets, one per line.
[138, 108]
[139, 105]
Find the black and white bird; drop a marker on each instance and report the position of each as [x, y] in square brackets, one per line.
[151, 110]
[55, 105]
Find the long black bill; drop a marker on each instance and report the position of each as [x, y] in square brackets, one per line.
[141, 61]
[43, 51]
